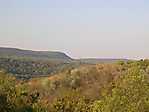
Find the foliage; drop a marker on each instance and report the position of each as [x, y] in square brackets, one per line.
[70, 103]
[7, 92]
[16, 98]
[129, 95]
[120, 87]
[26, 69]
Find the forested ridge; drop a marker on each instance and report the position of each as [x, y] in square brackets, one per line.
[26, 69]
[26, 64]
[119, 87]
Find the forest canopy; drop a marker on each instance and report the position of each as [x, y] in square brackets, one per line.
[119, 87]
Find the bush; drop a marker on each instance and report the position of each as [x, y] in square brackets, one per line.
[129, 95]
[71, 102]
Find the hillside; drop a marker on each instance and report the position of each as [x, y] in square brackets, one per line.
[88, 80]
[26, 64]
[100, 60]
[119, 87]
[36, 55]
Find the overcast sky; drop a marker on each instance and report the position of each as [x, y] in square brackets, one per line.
[80, 28]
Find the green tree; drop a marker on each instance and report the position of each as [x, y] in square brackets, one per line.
[131, 94]
[70, 103]
[7, 92]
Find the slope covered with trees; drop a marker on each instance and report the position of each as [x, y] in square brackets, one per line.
[26, 64]
[120, 87]
[33, 55]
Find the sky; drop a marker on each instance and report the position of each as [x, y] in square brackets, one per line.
[80, 28]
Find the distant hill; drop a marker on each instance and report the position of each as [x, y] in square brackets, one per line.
[100, 60]
[26, 64]
[50, 56]
[36, 55]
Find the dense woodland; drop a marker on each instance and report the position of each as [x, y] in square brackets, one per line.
[26, 64]
[119, 87]
[28, 68]
[25, 68]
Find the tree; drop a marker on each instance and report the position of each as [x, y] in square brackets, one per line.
[7, 93]
[129, 95]
[71, 102]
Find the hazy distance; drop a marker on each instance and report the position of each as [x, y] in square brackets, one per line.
[80, 28]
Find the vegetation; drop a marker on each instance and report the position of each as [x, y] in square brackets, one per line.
[119, 87]
[26, 64]
[28, 68]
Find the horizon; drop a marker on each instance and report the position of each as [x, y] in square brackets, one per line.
[70, 55]
[82, 29]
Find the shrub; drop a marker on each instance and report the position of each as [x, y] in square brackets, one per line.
[71, 102]
[129, 95]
